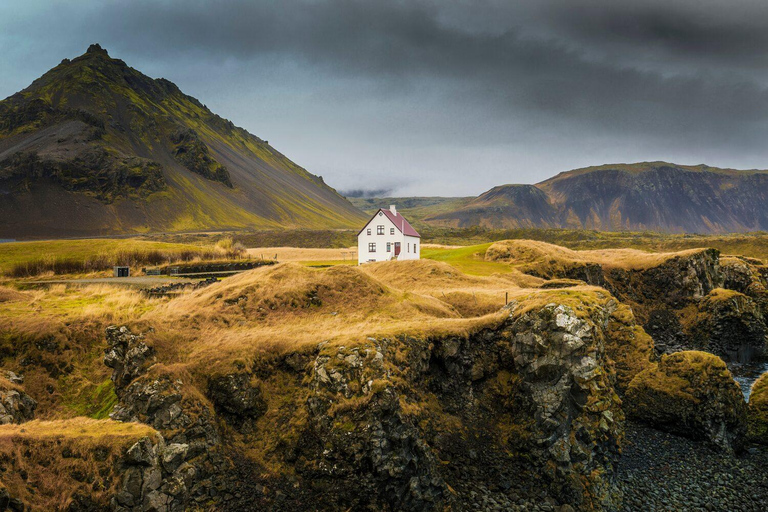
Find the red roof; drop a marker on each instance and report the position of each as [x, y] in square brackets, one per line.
[399, 222]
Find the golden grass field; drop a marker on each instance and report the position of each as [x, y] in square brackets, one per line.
[314, 299]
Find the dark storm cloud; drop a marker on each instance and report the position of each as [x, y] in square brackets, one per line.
[407, 43]
[622, 79]
[722, 32]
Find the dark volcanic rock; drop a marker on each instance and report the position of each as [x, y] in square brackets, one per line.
[126, 354]
[674, 283]
[238, 398]
[15, 405]
[692, 394]
[731, 325]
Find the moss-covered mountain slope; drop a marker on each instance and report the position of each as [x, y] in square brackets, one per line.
[96, 147]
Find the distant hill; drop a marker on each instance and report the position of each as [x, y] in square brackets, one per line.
[96, 147]
[655, 196]
[415, 208]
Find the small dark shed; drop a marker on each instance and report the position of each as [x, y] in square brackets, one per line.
[122, 271]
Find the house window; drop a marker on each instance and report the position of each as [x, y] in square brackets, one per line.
[379, 230]
[415, 248]
[391, 231]
[389, 246]
[408, 248]
[369, 231]
[372, 247]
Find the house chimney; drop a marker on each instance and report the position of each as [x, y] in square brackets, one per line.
[393, 209]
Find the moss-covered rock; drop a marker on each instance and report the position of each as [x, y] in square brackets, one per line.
[758, 411]
[730, 324]
[191, 152]
[627, 345]
[692, 394]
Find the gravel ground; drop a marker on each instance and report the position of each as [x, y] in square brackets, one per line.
[664, 472]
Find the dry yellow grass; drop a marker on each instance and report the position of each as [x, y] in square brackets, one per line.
[9, 294]
[76, 428]
[62, 328]
[530, 252]
[298, 254]
[291, 307]
[287, 307]
[48, 462]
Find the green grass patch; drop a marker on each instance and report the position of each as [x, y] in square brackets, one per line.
[95, 401]
[22, 259]
[470, 260]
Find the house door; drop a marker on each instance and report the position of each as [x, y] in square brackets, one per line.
[397, 248]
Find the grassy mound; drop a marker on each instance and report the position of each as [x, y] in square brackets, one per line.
[535, 254]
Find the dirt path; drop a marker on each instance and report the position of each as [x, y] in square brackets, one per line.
[138, 281]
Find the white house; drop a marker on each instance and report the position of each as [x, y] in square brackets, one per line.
[387, 236]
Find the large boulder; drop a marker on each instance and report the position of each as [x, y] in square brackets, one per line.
[729, 324]
[758, 411]
[692, 394]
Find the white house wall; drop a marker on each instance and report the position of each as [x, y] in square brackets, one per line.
[410, 245]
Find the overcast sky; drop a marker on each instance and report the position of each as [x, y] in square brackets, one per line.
[439, 97]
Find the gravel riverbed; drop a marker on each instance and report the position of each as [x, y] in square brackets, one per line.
[664, 472]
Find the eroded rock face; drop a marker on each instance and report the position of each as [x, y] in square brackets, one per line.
[403, 423]
[179, 471]
[743, 275]
[238, 398]
[155, 478]
[692, 394]
[674, 283]
[578, 419]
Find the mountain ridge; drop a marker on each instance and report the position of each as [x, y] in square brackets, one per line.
[645, 196]
[95, 147]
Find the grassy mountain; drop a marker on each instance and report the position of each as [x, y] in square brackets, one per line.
[96, 147]
[656, 196]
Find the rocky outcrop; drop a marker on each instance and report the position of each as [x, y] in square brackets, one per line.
[525, 405]
[237, 398]
[743, 275]
[182, 470]
[156, 477]
[578, 422]
[15, 405]
[692, 394]
[127, 355]
[758, 411]
[674, 283]
[730, 324]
